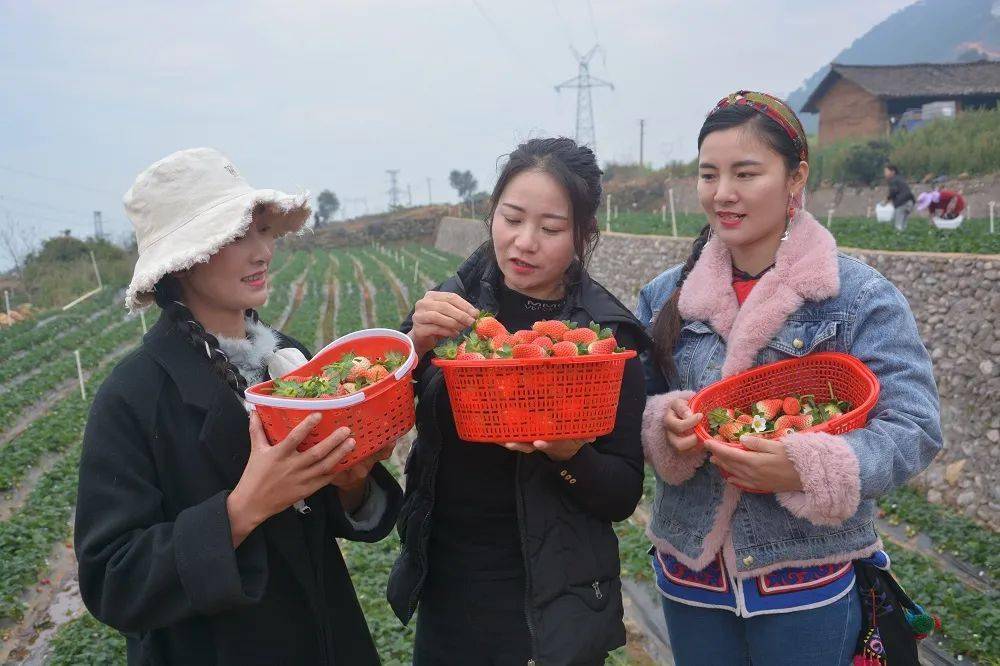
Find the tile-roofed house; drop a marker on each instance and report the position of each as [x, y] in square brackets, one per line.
[858, 101]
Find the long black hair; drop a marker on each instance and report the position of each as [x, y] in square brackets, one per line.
[572, 166]
[168, 296]
[668, 323]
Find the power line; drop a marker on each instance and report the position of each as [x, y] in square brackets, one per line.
[593, 23]
[61, 181]
[562, 24]
[8, 198]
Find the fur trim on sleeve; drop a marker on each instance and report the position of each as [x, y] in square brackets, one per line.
[830, 476]
[673, 466]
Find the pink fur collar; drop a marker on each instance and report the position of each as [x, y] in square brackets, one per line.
[805, 270]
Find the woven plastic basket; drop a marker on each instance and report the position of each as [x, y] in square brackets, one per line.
[377, 415]
[523, 400]
[815, 374]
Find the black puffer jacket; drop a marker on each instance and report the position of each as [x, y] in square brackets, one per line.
[574, 604]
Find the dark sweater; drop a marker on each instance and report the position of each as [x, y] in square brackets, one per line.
[899, 191]
[475, 533]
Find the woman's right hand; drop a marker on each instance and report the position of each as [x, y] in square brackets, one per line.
[679, 422]
[439, 315]
[278, 476]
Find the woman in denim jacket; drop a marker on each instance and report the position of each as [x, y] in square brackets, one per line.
[741, 573]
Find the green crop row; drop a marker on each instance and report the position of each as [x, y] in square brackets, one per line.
[851, 232]
[28, 334]
[29, 535]
[64, 368]
[304, 321]
[280, 286]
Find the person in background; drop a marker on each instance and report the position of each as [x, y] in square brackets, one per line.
[900, 196]
[946, 204]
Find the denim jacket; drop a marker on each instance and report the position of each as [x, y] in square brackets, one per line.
[815, 299]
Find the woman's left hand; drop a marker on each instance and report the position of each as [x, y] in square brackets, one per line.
[351, 482]
[764, 466]
[563, 449]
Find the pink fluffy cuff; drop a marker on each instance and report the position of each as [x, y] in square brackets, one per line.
[671, 465]
[830, 476]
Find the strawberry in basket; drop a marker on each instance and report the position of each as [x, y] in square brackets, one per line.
[773, 418]
[554, 381]
[490, 339]
[350, 374]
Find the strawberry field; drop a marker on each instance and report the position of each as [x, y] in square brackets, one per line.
[946, 562]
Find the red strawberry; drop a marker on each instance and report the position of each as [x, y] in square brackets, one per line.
[744, 419]
[603, 346]
[728, 431]
[487, 326]
[544, 342]
[502, 340]
[767, 408]
[791, 406]
[525, 336]
[528, 351]
[581, 335]
[550, 328]
[565, 348]
[795, 422]
[376, 373]
[471, 356]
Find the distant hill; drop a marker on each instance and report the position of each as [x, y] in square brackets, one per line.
[926, 31]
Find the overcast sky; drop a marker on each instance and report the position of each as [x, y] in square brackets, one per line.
[313, 95]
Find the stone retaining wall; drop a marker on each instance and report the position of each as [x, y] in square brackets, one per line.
[956, 301]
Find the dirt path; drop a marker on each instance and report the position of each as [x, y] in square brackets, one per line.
[11, 500]
[398, 288]
[32, 412]
[298, 293]
[54, 601]
[58, 336]
[293, 290]
[422, 277]
[367, 296]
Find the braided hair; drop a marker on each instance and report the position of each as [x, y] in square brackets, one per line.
[667, 326]
[167, 294]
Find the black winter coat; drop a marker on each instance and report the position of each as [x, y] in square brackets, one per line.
[574, 603]
[165, 443]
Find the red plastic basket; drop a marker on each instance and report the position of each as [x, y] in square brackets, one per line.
[814, 374]
[522, 400]
[376, 415]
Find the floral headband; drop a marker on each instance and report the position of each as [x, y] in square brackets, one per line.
[773, 108]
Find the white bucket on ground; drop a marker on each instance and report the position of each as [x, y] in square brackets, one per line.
[954, 223]
[883, 212]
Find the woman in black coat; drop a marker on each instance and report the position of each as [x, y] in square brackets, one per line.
[509, 550]
[186, 534]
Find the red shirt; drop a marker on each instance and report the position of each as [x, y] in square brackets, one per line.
[941, 206]
[743, 283]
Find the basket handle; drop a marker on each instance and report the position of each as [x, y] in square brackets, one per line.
[407, 366]
[304, 403]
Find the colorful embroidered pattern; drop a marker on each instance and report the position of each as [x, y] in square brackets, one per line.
[773, 108]
[709, 578]
[792, 579]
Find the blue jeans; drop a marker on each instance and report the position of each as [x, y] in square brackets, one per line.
[824, 636]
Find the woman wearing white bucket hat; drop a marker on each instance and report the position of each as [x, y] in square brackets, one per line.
[195, 537]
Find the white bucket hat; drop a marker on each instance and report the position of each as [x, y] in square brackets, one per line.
[188, 206]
